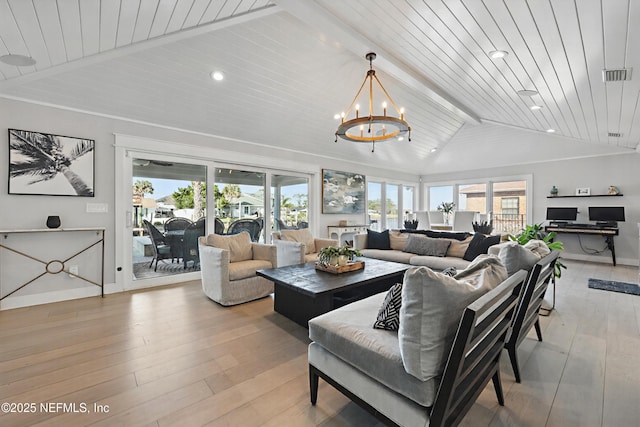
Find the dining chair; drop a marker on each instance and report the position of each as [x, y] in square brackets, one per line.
[161, 250]
[253, 227]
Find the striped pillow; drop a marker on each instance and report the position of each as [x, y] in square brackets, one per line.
[389, 314]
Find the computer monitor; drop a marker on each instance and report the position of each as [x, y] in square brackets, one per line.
[562, 214]
[606, 214]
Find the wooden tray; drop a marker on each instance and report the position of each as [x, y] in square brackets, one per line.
[337, 269]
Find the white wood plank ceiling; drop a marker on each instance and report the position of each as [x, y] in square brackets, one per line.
[290, 65]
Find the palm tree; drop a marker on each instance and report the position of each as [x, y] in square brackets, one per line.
[42, 158]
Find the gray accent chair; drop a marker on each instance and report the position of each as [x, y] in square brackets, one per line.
[379, 372]
[228, 266]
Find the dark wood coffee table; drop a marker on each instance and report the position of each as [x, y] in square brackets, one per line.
[301, 292]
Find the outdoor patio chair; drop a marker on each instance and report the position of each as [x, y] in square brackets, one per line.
[219, 226]
[283, 226]
[161, 250]
[251, 226]
[190, 243]
[174, 233]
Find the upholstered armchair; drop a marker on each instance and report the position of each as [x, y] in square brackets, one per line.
[228, 267]
[298, 246]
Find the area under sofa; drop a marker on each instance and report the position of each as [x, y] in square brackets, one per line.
[456, 254]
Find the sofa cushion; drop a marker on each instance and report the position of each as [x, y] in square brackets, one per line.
[347, 333]
[389, 314]
[238, 245]
[438, 263]
[386, 255]
[398, 240]
[432, 305]
[301, 236]
[515, 257]
[243, 269]
[423, 245]
[378, 240]
[480, 245]
[457, 248]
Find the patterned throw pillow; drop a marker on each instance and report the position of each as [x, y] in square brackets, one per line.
[389, 314]
[450, 271]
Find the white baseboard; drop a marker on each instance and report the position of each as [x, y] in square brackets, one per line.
[18, 301]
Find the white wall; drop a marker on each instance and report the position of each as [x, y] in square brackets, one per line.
[30, 211]
[597, 173]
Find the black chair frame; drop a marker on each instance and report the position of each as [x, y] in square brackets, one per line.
[161, 250]
[474, 358]
[527, 314]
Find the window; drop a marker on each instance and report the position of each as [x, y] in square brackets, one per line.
[374, 205]
[509, 206]
[438, 195]
[472, 197]
[391, 206]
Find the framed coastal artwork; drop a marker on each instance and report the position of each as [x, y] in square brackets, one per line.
[53, 165]
[342, 192]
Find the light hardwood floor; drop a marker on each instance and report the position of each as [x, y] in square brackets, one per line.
[169, 356]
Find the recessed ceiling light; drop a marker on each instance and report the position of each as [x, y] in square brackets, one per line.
[433, 150]
[497, 54]
[536, 107]
[551, 130]
[217, 75]
[527, 92]
[336, 116]
[18, 60]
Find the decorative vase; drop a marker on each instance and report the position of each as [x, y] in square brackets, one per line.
[342, 260]
[553, 191]
[53, 221]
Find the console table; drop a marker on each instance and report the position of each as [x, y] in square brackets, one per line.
[55, 266]
[338, 231]
[606, 232]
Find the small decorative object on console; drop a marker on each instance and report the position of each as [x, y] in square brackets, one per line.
[613, 190]
[554, 191]
[53, 221]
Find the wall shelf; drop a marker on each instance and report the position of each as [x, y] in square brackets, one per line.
[591, 195]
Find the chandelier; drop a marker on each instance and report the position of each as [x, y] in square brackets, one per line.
[372, 128]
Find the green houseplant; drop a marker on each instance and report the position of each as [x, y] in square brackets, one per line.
[330, 255]
[536, 231]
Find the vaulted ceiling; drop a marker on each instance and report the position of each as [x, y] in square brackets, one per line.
[290, 65]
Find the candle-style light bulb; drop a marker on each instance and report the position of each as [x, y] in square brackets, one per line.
[402, 113]
[384, 107]
[342, 116]
[357, 110]
[361, 131]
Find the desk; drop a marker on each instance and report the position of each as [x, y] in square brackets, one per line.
[606, 232]
[338, 231]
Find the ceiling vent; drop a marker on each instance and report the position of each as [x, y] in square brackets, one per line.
[615, 134]
[616, 75]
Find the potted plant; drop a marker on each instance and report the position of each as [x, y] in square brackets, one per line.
[334, 255]
[484, 227]
[447, 208]
[536, 231]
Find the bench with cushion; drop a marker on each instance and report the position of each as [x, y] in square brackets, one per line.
[452, 331]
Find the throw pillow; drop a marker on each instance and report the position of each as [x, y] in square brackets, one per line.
[480, 245]
[398, 240]
[450, 271]
[238, 245]
[300, 236]
[423, 245]
[389, 313]
[516, 257]
[376, 240]
[538, 247]
[432, 305]
[457, 248]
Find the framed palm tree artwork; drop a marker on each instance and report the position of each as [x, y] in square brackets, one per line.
[46, 164]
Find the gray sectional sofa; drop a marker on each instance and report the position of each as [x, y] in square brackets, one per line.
[430, 254]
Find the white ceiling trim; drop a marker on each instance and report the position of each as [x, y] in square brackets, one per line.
[331, 26]
[140, 46]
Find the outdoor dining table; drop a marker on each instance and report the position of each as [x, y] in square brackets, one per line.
[175, 239]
